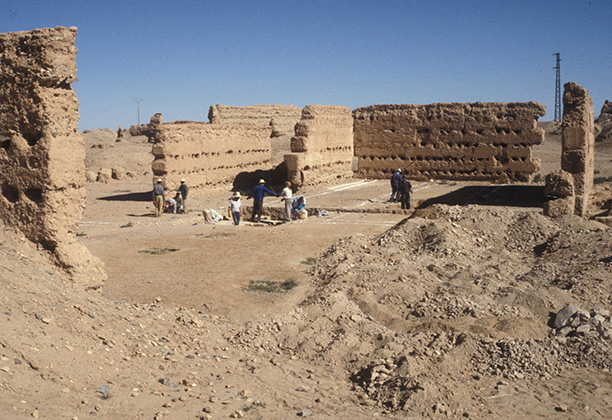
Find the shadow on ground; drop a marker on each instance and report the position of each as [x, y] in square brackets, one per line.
[136, 196]
[493, 195]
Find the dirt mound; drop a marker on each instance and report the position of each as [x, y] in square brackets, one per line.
[418, 317]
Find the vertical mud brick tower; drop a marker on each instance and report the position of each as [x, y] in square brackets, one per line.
[578, 142]
[206, 155]
[322, 148]
[459, 141]
[42, 155]
[280, 118]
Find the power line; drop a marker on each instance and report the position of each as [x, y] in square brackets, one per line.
[558, 89]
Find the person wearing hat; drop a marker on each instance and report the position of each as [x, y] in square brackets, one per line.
[158, 198]
[257, 195]
[234, 208]
[184, 189]
[180, 204]
[286, 195]
[396, 181]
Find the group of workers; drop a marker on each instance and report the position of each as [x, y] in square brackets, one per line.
[174, 204]
[401, 189]
[258, 194]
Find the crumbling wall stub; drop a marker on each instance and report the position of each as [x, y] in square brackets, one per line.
[207, 155]
[578, 150]
[322, 148]
[458, 141]
[280, 119]
[42, 155]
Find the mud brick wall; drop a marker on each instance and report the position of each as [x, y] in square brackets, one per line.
[207, 155]
[578, 135]
[322, 148]
[457, 141]
[42, 155]
[280, 118]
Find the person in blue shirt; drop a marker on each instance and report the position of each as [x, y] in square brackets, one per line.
[257, 195]
[396, 181]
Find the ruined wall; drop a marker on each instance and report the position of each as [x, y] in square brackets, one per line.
[459, 141]
[322, 148]
[42, 155]
[280, 118]
[578, 142]
[206, 155]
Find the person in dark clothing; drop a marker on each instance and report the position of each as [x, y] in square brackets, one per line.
[405, 190]
[184, 189]
[396, 181]
[257, 195]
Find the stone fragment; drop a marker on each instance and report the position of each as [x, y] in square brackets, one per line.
[118, 173]
[91, 176]
[559, 207]
[559, 184]
[564, 315]
[104, 175]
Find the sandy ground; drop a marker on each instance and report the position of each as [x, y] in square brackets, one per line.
[441, 313]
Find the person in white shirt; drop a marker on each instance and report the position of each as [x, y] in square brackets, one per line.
[286, 195]
[234, 208]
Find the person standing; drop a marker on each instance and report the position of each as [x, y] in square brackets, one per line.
[396, 181]
[286, 195]
[258, 194]
[158, 198]
[184, 189]
[405, 191]
[234, 208]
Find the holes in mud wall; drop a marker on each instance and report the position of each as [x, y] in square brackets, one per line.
[48, 245]
[10, 193]
[31, 136]
[34, 194]
[5, 143]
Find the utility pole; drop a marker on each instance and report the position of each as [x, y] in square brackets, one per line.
[138, 106]
[558, 89]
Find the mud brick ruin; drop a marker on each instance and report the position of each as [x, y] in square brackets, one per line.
[280, 118]
[42, 155]
[578, 135]
[459, 141]
[322, 148]
[207, 155]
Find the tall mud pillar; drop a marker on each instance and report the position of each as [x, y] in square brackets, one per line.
[578, 133]
[42, 155]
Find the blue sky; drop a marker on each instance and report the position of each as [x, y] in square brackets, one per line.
[181, 57]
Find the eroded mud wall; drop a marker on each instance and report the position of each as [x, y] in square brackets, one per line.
[42, 155]
[322, 148]
[578, 135]
[458, 141]
[281, 120]
[207, 155]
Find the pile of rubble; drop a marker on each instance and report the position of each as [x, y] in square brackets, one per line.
[573, 321]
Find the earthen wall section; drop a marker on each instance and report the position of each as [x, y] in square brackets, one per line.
[578, 149]
[322, 148]
[280, 119]
[42, 155]
[458, 141]
[207, 155]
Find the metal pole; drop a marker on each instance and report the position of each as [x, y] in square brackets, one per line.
[558, 89]
[138, 106]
